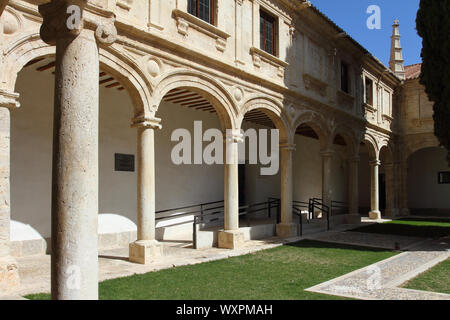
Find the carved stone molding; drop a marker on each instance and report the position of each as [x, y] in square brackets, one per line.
[312, 83]
[345, 99]
[259, 55]
[56, 16]
[144, 122]
[186, 21]
[9, 100]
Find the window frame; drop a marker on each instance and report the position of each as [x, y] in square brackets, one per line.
[212, 11]
[345, 88]
[265, 16]
[442, 176]
[366, 100]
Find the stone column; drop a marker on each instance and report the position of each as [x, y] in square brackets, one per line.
[286, 228]
[353, 201]
[9, 273]
[74, 266]
[231, 237]
[374, 191]
[327, 157]
[146, 247]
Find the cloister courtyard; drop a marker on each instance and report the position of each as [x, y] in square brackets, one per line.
[411, 256]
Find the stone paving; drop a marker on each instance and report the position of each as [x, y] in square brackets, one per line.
[381, 280]
[35, 271]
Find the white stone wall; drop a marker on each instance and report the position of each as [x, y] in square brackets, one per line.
[424, 192]
[31, 152]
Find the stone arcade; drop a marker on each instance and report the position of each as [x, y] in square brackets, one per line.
[351, 129]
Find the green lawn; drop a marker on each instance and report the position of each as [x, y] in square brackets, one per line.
[411, 227]
[280, 274]
[436, 279]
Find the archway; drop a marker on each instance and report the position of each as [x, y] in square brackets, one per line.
[268, 161]
[195, 113]
[428, 182]
[31, 134]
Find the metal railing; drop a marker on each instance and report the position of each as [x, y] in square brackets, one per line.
[186, 211]
[337, 206]
[297, 207]
[217, 214]
[316, 203]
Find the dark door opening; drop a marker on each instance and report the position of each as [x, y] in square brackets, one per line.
[382, 192]
[242, 199]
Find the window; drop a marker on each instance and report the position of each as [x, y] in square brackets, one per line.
[444, 177]
[369, 92]
[344, 78]
[203, 9]
[267, 32]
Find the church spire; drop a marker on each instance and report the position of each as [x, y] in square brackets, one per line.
[396, 63]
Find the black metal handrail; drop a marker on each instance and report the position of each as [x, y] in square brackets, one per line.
[298, 211]
[338, 205]
[274, 203]
[316, 203]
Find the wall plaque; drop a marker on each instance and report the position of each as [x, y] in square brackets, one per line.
[124, 162]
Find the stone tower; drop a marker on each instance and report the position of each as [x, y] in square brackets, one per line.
[396, 62]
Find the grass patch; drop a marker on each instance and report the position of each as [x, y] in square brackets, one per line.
[411, 227]
[277, 274]
[437, 279]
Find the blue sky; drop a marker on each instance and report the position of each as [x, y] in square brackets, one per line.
[351, 16]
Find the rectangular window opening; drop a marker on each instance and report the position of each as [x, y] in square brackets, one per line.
[202, 9]
[344, 78]
[369, 92]
[267, 31]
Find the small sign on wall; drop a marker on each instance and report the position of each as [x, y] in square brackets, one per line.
[444, 177]
[124, 162]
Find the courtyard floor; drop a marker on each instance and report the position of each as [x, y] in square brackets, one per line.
[327, 265]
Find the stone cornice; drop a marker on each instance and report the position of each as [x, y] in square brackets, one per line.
[146, 123]
[9, 100]
[186, 20]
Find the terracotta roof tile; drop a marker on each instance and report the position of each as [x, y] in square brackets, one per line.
[413, 71]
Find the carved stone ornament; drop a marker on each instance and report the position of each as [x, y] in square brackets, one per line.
[66, 18]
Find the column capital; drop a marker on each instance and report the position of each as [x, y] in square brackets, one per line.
[233, 136]
[327, 153]
[375, 163]
[288, 146]
[146, 123]
[67, 18]
[9, 100]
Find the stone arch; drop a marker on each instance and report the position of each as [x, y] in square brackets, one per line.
[273, 110]
[124, 69]
[317, 123]
[202, 84]
[346, 133]
[386, 152]
[412, 146]
[372, 146]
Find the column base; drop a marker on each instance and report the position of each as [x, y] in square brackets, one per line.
[231, 239]
[287, 230]
[375, 215]
[145, 251]
[9, 276]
